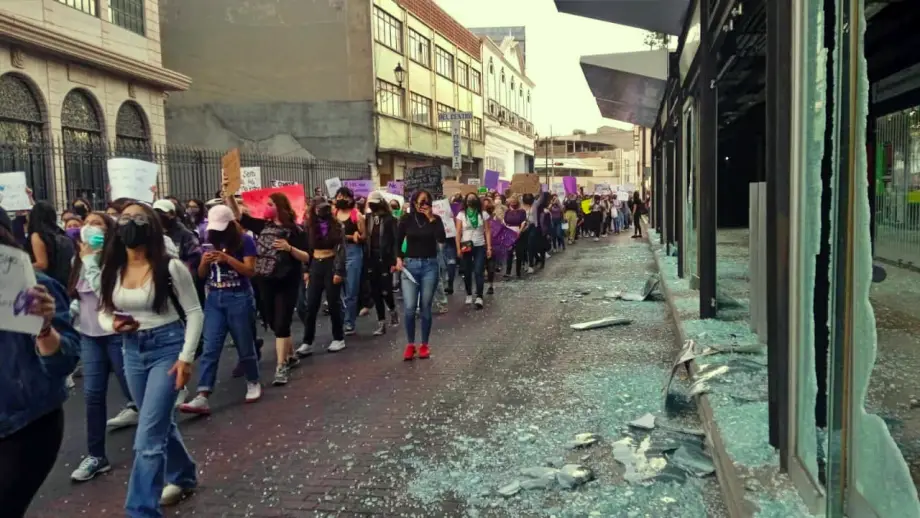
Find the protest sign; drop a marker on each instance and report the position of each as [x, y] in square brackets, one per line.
[333, 185]
[429, 178]
[503, 186]
[282, 183]
[250, 178]
[490, 179]
[14, 194]
[473, 181]
[602, 188]
[361, 188]
[132, 178]
[525, 183]
[16, 278]
[570, 184]
[230, 170]
[257, 200]
[559, 190]
[441, 208]
[395, 187]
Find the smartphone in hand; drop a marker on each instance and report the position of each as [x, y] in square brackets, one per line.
[207, 247]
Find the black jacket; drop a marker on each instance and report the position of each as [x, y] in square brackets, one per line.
[386, 244]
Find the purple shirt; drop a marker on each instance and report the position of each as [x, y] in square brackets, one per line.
[224, 277]
[515, 217]
[89, 315]
[556, 211]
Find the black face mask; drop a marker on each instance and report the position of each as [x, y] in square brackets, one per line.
[80, 210]
[324, 211]
[473, 203]
[377, 207]
[344, 204]
[167, 222]
[133, 235]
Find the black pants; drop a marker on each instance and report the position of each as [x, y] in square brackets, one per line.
[321, 273]
[278, 301]
[381, 286]
[490, 270]
[26, 458]
[638, 227]
[518, 255]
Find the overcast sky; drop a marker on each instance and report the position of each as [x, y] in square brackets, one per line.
[555, 42]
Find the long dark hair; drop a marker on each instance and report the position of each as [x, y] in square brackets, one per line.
[230, 239]
[78, 261]
[285, 213]
[120, 204]
[115, 257]
[202, 212]
[42, 218]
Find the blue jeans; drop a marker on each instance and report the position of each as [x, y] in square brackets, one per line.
[354, 261]
[425, 272]
[474, 264]
[558, 236]
[160, 456]
[449, 257]
[101, 355]
[227, 311]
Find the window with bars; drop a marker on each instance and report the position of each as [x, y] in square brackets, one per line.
[388, 30]
[463, 74]
[390, 99]
[127, 14]
[86, 6]
[443, 108]
[419, 49]
[477, 129]
[475, 81]
[420, 109]
[444, 62]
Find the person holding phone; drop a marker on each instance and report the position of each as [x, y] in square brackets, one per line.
[228, 262]
[141, 290]
[420, 231]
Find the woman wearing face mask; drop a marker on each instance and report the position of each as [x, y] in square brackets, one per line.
[352, 222]
[516, 220]
[48, 246]
[228, 263]
[281, 247]
[326, 246]
[197, 217]
[100, 349]
[72, 226]
[381, 258]
[421, 230]
[141, 289]
[474, 246]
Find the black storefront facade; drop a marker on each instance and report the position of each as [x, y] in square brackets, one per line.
[790, 79]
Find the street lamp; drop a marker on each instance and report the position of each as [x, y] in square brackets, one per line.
[400, 74]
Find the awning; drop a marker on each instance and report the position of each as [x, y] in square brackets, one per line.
[628, 86]
[652, 15]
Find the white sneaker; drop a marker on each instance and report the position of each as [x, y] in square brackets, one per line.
[69, 383]
[173, 494]
[530, 269]
[336, 346]
[304, 350]
[127, 417]
[468, 300]
[198, 405]
[253, 391]
[596, 239]
[183, 395]
[547, 255]
[479, 303]
[89, 468]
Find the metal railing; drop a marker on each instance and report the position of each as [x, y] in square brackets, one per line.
[897, 226]
[63, 170]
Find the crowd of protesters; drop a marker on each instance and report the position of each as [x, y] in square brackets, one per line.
[144, 291]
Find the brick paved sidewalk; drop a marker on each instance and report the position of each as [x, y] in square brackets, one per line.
[361, 433]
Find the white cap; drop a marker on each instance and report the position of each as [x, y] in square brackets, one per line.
[219, 218]
[164, 206]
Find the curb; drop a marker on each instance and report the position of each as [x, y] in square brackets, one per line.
[730, 483]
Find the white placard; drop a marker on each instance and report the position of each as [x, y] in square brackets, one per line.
[559, 189]
[282, 183]
[441, 208]
[250, 178]
[132, 178]
[473, 181]
[457, 144]
[13, 195]
[602, 188]
[333, 185]
[16, 276]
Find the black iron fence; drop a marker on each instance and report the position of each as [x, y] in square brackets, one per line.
[63, 170]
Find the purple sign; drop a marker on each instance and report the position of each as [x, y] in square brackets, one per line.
[361, 188]
[491, 179]
[503, 186]
[395, 187]
[570, 184]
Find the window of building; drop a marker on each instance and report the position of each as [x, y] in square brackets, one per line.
[87, 6]
[477, 128]
[465, 129]
[444, 62]
[463, 74]
[443, 108]
[420, 109]
[131, 135]
[475, 81]
[390, 99]
[389, 30]
[419, 49]
[128, 14]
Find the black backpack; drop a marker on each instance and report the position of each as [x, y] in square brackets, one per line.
[60, 258]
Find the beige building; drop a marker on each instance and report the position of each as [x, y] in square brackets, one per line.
[441, 71]
[80, 81]
[607, 156]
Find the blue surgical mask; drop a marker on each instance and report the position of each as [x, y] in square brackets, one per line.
[93, 236]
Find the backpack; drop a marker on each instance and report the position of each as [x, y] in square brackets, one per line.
[60, 258]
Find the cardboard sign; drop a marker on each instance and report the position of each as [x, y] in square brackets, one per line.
[441, 209]
[230, 167]
[524, 183]
[361, 188]
[429, 178]
[132, 178]
[395, 187]
[333, 185]
[18, 276]
[257, 200]
[250, 178]
[14, 194]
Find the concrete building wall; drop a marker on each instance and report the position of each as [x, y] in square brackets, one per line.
[288, 77]
[507, 147]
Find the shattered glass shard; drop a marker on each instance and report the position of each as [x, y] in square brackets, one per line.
[646, 422]
[574, 475]
[582, 440]
[693, 460]
[604, 322]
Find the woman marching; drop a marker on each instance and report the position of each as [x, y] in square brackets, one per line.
[142, 290]
[352, 221]
[474, 245]
[380, 254]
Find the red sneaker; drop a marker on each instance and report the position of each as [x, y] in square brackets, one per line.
[424, 352]
[410, 353]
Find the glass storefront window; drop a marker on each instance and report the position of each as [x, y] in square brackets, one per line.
[690, 158]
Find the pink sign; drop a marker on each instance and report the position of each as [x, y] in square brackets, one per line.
[257, 200]
[503, 186]
[361, 188]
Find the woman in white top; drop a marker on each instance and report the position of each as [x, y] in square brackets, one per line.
[141, 288]
[474, 246]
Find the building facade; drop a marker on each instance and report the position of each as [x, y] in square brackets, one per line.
[441, 66]
[607, 156]
[509, 108]
[497, 34]
[78, 80]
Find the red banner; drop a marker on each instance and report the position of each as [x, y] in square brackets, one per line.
[256, 201]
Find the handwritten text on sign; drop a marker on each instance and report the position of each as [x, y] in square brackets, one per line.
[132, 178]
[250, 178]
[16, 277]
[13, 195]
